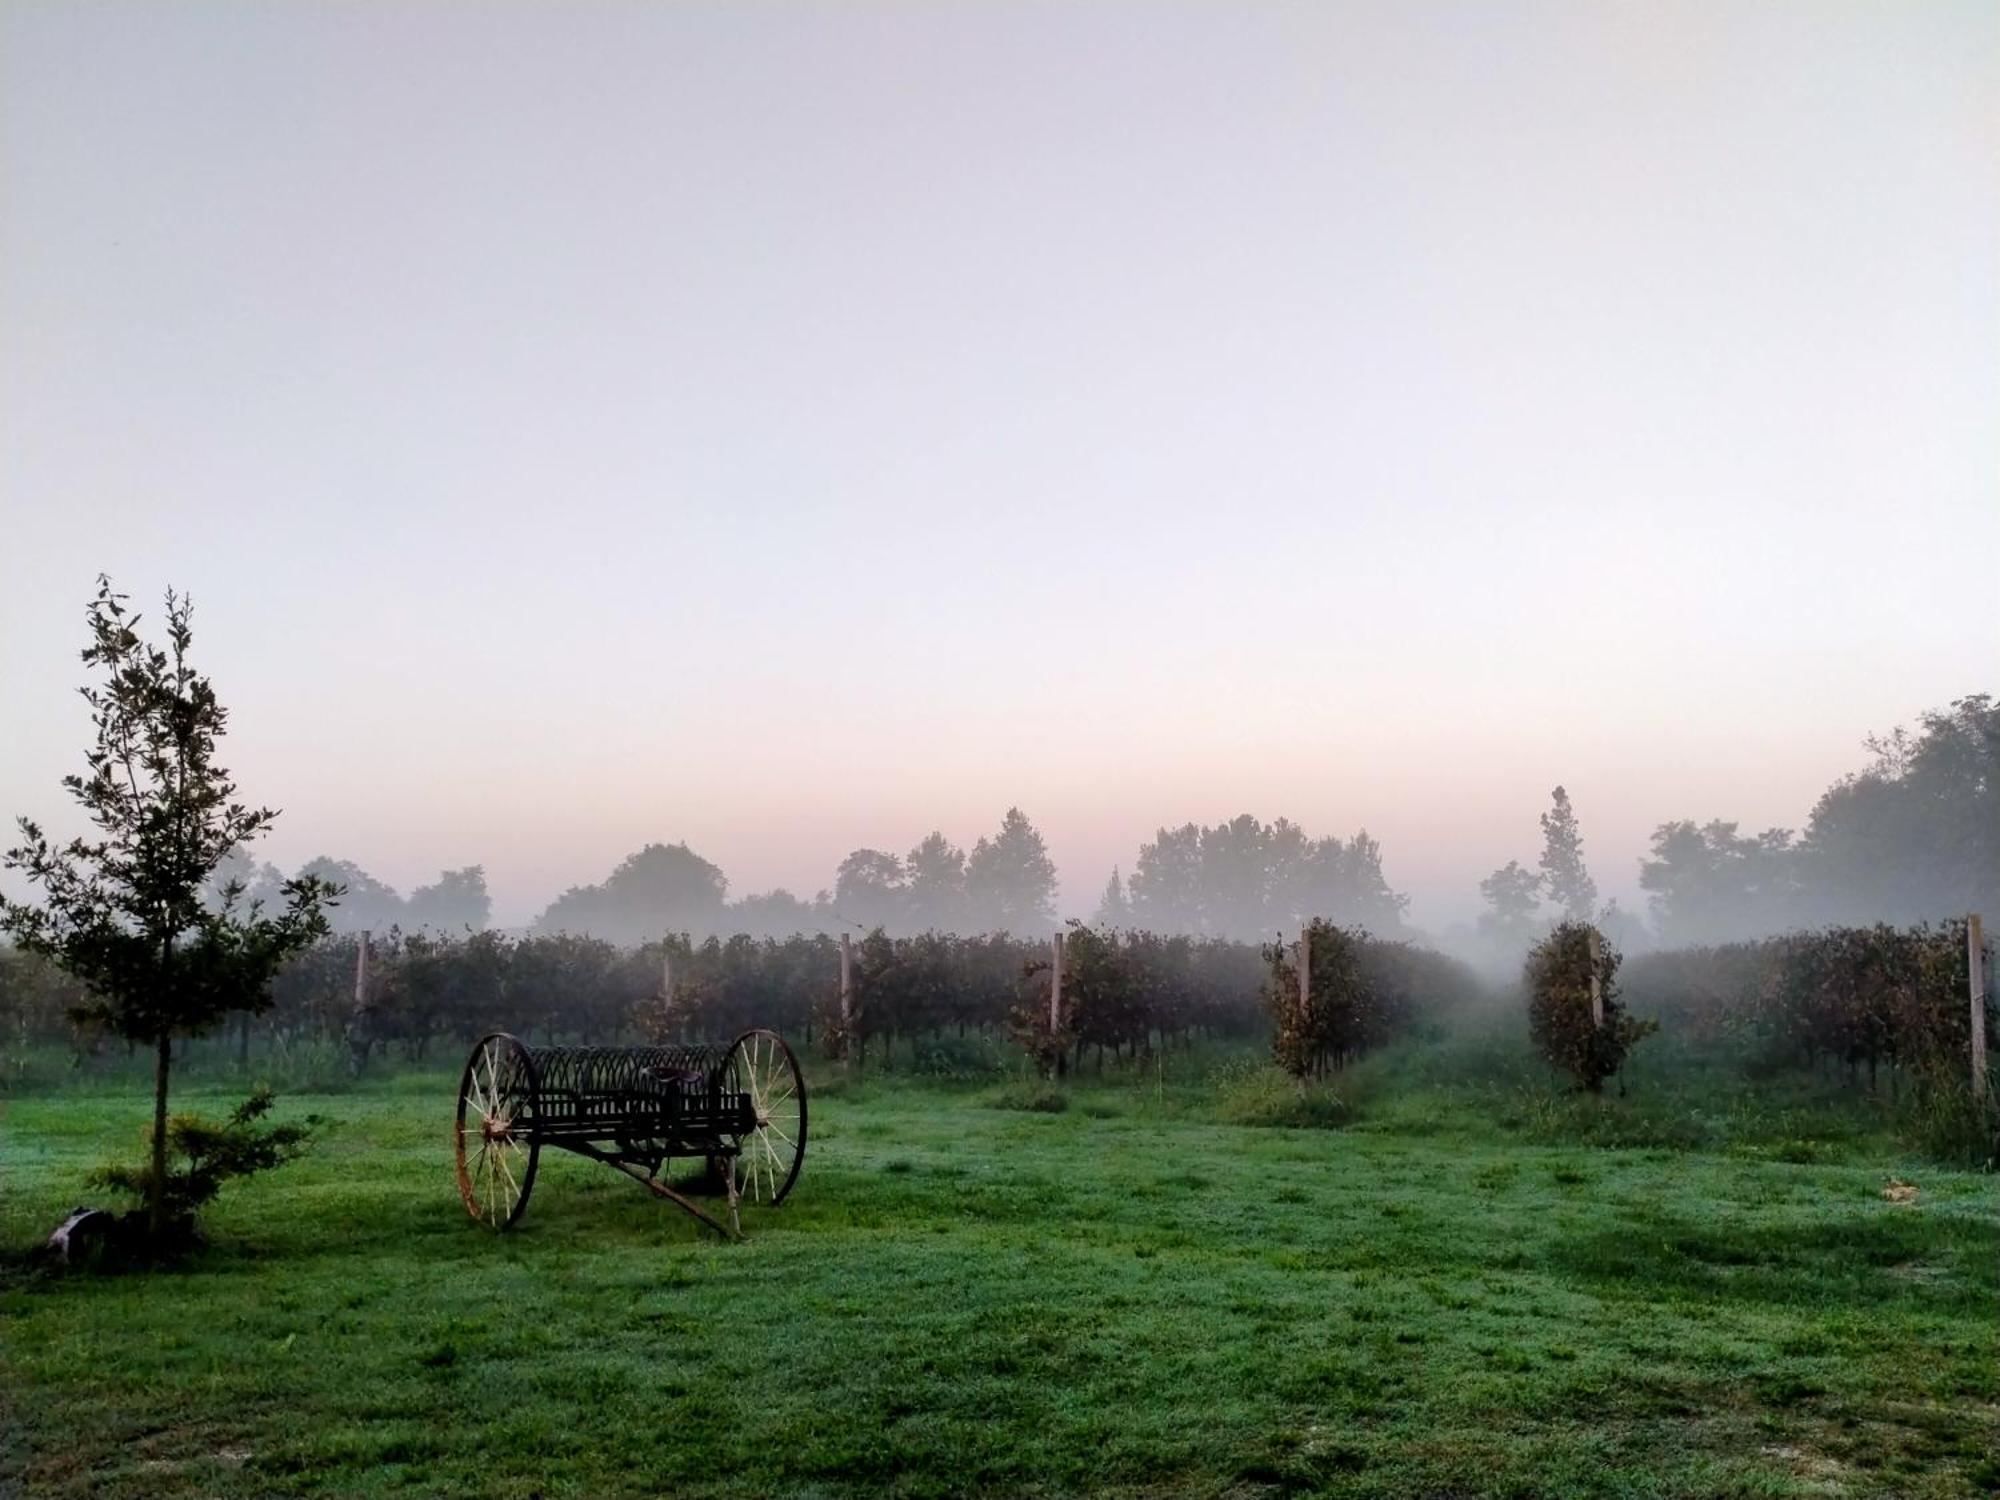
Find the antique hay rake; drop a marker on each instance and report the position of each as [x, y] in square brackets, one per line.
[741, 1108]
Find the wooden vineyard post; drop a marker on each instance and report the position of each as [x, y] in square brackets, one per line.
[357, 1028]
[1596, 987]
[1055, 1004]
[846, 997]
[1975, 965]
[1055, 984]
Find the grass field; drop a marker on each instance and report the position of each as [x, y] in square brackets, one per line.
[1130, 1296]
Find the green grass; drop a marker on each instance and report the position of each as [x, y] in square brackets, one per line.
[975, 1293]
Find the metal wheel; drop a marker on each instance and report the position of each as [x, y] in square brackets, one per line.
[494, 1143]
[768, 1156]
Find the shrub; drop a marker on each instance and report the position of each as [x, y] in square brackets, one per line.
[1363, 993]
[1035, 1098]
[959, 1059]
[1948, 1125]
[1559, 975]
[1267, 1096]
[201, 1156]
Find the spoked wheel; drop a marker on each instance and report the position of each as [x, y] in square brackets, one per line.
[769, 1154]
[495, 1144]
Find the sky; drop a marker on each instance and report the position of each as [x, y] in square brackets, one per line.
[790, 428]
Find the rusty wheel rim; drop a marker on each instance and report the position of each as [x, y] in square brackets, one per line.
[495, 1146]
[768, 1156]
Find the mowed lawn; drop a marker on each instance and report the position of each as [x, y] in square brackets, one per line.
[1124, 1298]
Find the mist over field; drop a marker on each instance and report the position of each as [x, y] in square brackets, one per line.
[1911, 835]
[1242, 749]
[791, 435]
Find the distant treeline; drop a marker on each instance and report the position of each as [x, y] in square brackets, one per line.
[1914, 836]
[1242, 879]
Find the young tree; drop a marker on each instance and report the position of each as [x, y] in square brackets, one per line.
[1563, 875]
[1326, 1026]
[1590, 1044]
[125, 912]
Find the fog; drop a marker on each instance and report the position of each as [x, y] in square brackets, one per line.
[792, 434]
[1911, 836]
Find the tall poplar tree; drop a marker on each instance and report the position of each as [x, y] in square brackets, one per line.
[1564, 877]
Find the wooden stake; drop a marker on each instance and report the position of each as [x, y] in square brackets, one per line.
[1596, 989]
[361, 976]
[1975, 963]
[1055, 986]
[846, 995]
[358, 1041]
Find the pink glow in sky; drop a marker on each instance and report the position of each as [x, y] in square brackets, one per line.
[794, 428]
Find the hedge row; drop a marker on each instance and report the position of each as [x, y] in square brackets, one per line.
[424, 990]
[1858, 997]
[1359, 993]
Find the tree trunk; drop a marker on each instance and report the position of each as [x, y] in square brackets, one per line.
[156, 1197]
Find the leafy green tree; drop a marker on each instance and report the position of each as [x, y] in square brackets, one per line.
[1565, 1029]
[1114, 912]
[1513, 896]
[1345, 884]
[1236, 877]
[1243, 878]
[868, 889]
[663, 888]
[1710, 884]
[1327, 1025]
[1915, 837]
[934, 895]
[455, 902]
[37, 1002]
[772, 914]
[1010, 879]
[1564, 877]
[1166, 885]
[125, 911]
[256, 880]
[564, 982]
[366, 904]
